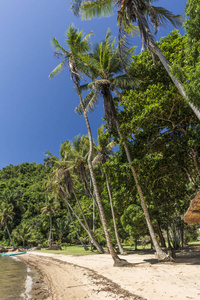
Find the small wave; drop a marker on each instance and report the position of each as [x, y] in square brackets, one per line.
[28, 286]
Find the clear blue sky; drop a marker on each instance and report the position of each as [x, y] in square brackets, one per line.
[36, 113]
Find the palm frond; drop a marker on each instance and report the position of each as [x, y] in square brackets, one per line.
[98, 158]
[58, 47]
[125, 51]
[98, 8]
[76, 41]
[90, 64]
[58, 69]
[123, 81]
[165, 17]
[90, 102]
[75, 7]
[111, 145]
[127, 26]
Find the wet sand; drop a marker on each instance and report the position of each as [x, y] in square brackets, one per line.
[93, 277]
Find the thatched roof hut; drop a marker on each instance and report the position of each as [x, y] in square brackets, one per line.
[192, 216]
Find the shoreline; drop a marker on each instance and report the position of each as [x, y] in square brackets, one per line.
[93, 277]
[35, 284]
[84, 283]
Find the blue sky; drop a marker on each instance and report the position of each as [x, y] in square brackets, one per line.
[36, 113]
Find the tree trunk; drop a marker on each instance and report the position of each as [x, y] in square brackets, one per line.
[161, 237]
[84, 246]
[136, 244]
[196, 161]
[111, 118]
[93, 197]
[190, 179]
[179, 86]
[113, 215]
[93, 217]
[182, 234]
[161, 255]
[168, 238]
[9, 234]
[98, 247]
[117, 261]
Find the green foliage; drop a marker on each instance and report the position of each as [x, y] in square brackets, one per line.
[188, 68]
[163, 136]
[21, 190]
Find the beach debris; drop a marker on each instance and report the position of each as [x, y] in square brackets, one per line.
[3, 249]
[54, 247]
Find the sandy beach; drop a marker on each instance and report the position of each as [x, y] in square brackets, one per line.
[93, 277]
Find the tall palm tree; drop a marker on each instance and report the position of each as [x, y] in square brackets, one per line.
[78, 46]
[145, 14]
[104, 149]
[104, 68]
[6, 213]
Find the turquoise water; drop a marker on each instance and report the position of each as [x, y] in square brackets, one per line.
[13, 274]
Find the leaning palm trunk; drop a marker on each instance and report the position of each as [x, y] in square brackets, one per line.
[111, 117]
[92, 196]
[93, 217]
[99, 248]
[177, 83]
[84, 246]
[113, 216]
[9, 234]
[117, 260]
[135, 8]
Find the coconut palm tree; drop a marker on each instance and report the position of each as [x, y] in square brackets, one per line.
[57, 189]
[22, 233]
[49, 209]
[77, 153]
[104, 68]
[104, 149]
[62, 178]
[78, 159]
[145, 15]
[78, 46]
[6, 213]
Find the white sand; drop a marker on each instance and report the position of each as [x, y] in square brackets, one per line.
[151, 281]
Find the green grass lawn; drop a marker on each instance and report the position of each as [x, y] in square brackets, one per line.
[194, 243]
[70, 250]
[79, 250]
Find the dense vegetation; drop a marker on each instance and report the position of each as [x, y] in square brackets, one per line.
[140, 191]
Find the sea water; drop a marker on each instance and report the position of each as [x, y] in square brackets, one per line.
[13, 279]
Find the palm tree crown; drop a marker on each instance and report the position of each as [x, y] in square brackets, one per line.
[6, 212]
[146, 16]
[77, 45]
[129, 11]
[105, 70]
